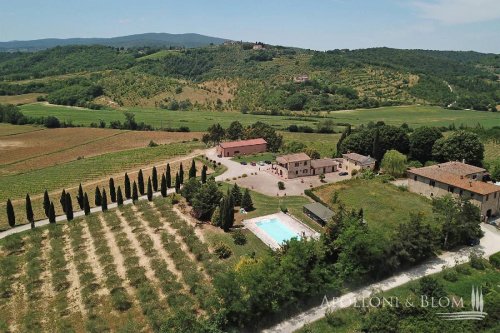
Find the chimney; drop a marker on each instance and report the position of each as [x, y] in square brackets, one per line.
[470, 184]
[461, 177]
[463, 161]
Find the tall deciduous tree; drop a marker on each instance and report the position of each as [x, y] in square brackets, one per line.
[154, 179]
[11, 216]
[246, 201]
[112, 190]
[86, 204]
[163, 186]
[192, 170]
[46, 203]
[394, 163]
[168, 176]
[460, 145]
[97, 196]
[79, 197]
[150, 190]
[104, 204]
[29, 210]
[128, 192]
[204, 174]
[135, 194]
[234, 131]
[421, 142]
[181, 174]
[52, 213]
[140, 182]
[119, 197]
[62, 200]
[69, 207]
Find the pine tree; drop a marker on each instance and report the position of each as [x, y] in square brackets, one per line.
[46, 203]
[62, 200]
[181, 174]
[52, 213]
[236, 193]
[154, 179]
[168, 176]
[86, 204]
[69, 207]
[128, 193]
[104, 204]
[119, 197]
[140, 182]
[204, 174]
[135, 195]
[215, 219]
[98, 197]
[79, 197]
[29, 210]
[177, 183]
[11, 216]
[246, 201]
[150, 190]
[163, 186]
[192, 170]
[112, 190]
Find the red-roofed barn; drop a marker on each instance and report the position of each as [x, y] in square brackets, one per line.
[245, 147]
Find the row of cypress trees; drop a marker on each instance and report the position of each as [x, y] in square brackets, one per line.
[115, 195]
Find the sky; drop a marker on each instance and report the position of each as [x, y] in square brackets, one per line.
[315, 24]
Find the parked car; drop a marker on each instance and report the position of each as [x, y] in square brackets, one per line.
[253, 164]
[261, 163]
[343, 173]
[243, 163]
[473, 241]
[268, 162]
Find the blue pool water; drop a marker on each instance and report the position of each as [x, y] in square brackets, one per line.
[276, 230]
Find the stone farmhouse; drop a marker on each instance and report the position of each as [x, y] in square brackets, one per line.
[459, 180]
[354, 161]
[244, 147]
[300, 165]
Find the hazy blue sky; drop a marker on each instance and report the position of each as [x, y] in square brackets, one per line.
[315, 24]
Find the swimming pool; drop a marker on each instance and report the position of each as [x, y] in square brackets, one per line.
[276, 230]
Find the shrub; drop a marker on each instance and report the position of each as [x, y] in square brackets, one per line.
[463, 269]
[284, 209]
[354, 172]
[175, 199]
[495, 260]
[152, 144]
[450, 275]
[239, 238]
[477, 261]
[223, 251]
[244, 175]
[281, 185]
[333, 319]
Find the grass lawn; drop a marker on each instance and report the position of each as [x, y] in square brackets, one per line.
[351, 319]
[384, 205]
[255, 157]
[325, 144]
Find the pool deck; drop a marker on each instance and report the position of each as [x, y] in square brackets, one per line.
[289, 221]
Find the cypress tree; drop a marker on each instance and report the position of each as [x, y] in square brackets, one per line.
[29, 210]
[192, 170]
[11, 216]
[46, 203]
[163, 187]
[79, 197]
[155, 179]
[204, 174]
[177, 183]
[128, 193]
[62, 200]
[98, 196]
[246, 201]
[376, 150]
[69, 207]
[150, 190]
[236, 193]
[104, 205]
[168, 176]
[119, 197]
[135, 195]
[86, 204]
[52, 213]
[227, 216]
[112, 190]
[181, 174]
[140, 182]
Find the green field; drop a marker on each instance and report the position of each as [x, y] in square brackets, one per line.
[351, 319]
[385, 206]
[199, 120]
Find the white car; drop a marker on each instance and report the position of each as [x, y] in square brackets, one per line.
[261, 163]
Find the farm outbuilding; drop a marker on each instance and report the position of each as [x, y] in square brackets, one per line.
[244, 147]
[318, 212]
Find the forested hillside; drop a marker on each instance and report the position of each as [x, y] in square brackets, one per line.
[238, 78]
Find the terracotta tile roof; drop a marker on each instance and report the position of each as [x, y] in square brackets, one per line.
[299, 157]
[459, 168]
[363, 160]
[445, 177]
[323, 162]
[243, 143]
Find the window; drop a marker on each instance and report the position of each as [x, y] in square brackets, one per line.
[451, 189]
[415, 178]
[487, 197]
[495, 195]
[432, 183]
[296, 164]
[304, 171]
[461, 192]
[296, 172]
[474, 176]
[305, 162]
[471, 195]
